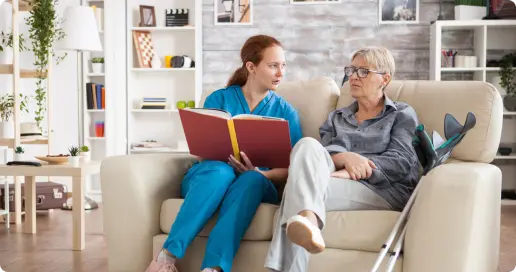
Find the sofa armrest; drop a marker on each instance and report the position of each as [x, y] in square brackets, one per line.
[133, 190]
[454, 225]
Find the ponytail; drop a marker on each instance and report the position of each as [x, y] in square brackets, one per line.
[239, 77]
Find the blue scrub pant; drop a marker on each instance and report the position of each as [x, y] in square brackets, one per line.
[210, 185]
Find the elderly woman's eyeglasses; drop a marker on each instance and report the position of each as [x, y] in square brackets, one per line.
[361, 72]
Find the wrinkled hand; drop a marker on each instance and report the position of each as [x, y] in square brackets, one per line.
[241, 167]
[343, 173]
[358, 166]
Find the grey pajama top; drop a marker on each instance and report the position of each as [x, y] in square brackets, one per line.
[386, 140]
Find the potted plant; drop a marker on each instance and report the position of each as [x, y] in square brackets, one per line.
[85, 153]
[7, 111]
[470, 9]
[18, 153]
[6, 42]
[507, 74]
[97, 65]
[74, 158]
[44, 31]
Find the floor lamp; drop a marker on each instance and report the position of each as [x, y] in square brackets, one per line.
[81, 35]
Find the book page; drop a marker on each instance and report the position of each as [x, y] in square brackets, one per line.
[213, 112]
[253, 116]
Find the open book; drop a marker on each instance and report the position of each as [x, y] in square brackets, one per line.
[214, 134]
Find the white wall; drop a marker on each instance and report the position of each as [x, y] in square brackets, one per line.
[63, 93]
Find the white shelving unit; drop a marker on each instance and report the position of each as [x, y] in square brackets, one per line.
[174, 84]
[96, 142]
[491, 40]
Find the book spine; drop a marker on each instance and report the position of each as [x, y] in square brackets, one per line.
[234, 142]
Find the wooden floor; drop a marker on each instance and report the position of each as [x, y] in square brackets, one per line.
[50, 250]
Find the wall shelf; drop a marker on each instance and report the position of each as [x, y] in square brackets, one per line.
[170, 85]
[8, 69]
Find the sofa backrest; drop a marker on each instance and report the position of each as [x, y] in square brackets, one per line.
[433, 99]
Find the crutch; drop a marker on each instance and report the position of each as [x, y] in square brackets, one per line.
[429, 157]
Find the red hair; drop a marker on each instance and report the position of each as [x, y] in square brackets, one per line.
[252, 51]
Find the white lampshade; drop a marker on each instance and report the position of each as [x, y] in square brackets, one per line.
[80, 28]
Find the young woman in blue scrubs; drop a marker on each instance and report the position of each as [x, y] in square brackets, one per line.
[235, 188]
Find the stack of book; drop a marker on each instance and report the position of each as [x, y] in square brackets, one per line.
[95, 96]
[154, 103]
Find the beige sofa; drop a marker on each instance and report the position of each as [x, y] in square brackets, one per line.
[454, 225]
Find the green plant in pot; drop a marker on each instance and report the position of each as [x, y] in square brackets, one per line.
[85, 153]
[470, 9]
[18, 153]
[44, 31]
[7, 112]
[97, 65]
[74, 158]
[507, 74]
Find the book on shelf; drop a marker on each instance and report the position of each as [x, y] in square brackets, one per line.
[153, 103]
[95, 96]
[214, 134]
[99, 129]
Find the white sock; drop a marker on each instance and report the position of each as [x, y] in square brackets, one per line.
[163, 257]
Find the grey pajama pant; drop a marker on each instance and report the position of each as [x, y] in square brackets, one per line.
[310, 187]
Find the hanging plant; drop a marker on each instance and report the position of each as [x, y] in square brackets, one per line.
[44, 31]
[6, 40]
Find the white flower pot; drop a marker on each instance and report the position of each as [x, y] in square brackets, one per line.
[86, 156]
[97, 68]
[18, 157]
[6, 130]
[74, 160]
[465, 12]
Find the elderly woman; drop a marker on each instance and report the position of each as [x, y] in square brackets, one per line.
[365, 161]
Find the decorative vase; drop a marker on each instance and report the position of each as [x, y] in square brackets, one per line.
[509, 102]
[6, 130]
[155, 63]
[18, 157]
[74, 160]
[97, 68]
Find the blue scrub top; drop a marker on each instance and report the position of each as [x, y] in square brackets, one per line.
[232, 99]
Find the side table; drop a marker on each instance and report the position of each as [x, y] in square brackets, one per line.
[78, 174]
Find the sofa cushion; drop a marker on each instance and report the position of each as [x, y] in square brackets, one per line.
[259, 230]
[433, 99]
[354, 230]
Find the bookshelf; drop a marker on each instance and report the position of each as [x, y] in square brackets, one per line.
[483, 42]
[157, 129]
[94, 113]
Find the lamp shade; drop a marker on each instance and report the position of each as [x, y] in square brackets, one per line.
[80, 28]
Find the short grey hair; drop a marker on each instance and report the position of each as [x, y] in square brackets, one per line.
[380, 57]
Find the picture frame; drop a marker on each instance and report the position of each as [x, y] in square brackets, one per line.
[314, 2]
[143, 47]
[398, 12]
[147, 16]
[233, 12]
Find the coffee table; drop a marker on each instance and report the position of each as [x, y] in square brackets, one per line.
[78, 174]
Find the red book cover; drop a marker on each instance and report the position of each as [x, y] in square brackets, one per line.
[266, 142]
[207, 135]
[210, 135]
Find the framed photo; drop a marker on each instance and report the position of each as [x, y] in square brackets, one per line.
[147, 16]
[398, 12]
[144, 48]
[233, 12]
[314, 2]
